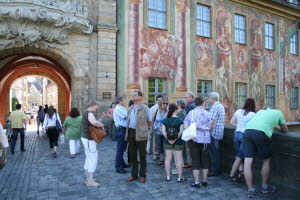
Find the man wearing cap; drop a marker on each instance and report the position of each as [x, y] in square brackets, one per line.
[138, 122]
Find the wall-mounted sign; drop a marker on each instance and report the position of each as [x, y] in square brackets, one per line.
[106, 95]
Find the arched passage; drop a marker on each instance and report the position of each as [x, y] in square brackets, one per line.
[27, 64]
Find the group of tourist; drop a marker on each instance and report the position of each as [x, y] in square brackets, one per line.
[158, 130]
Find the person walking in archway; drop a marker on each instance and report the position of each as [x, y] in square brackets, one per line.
[18, 125]
[73, 128]
[50, 125]
[40, 118]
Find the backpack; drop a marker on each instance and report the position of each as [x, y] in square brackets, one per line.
[172, 132]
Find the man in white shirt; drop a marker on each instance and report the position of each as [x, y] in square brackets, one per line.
[151, 147]
[120, 117]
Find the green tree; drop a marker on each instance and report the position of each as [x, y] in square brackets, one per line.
[14, 102]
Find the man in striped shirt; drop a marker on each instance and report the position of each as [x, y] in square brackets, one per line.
[120, 117]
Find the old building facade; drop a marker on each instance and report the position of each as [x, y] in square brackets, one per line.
[72, 42]
[103, 48]
[241, 49]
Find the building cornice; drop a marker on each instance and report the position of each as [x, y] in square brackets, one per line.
[273, 7]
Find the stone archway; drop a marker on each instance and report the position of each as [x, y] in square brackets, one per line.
[17, 65]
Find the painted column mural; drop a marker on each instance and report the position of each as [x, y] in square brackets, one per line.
[133, 52]
[256, 91]
[223, 20]
[181, 6]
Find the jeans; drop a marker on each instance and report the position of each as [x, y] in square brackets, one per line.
[159, 142]
[14, 138]
[238, 144]
[215, 155]
[134, 147]
[121, 147]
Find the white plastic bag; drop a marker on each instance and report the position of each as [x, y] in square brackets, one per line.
[61, 138]
[190, 132]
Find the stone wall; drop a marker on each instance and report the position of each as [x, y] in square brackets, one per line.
[284, 162]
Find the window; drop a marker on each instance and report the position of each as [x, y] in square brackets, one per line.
[270, 96]
[240, 94]
[157, 14]
[294, 44]
[203, 89]
[156, 86]
[293, 1]
[240, 29]
[203, 21]
[294, 97]
[269, 36]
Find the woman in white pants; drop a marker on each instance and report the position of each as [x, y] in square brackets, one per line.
[73, 128]
[90, 146]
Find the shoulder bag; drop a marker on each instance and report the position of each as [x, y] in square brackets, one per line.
[97, 133]
[58, 125]
[190, 132]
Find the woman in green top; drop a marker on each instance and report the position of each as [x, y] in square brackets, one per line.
[73, 129]
[173, 125]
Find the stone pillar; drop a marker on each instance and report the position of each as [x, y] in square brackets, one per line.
[181, 35]
[133, 52]
[106, 74]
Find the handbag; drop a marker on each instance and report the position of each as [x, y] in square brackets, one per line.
[3, 160]
[61, 138]
[190, 132]
[58, 125]
[97, 133]
[172, 132]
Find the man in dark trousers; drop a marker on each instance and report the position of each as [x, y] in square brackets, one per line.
[138, 122]
[18, 125]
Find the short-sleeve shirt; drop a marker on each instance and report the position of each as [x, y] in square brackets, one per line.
[266, 120]
[17, 117]
[217, 112]
[173, 122]
[242, 119]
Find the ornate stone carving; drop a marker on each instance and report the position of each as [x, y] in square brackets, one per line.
[36, 25]
[78, 7]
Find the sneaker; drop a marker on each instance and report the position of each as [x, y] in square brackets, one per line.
[193, 184]
[268, 189]
[181, 179]
[168, 178]
[204, 183]
[174, 171]
[251, 193]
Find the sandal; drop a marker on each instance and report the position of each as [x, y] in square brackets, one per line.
[241, 176]
[232, 179]
[193, 184]
[168, 178]
[160, 163]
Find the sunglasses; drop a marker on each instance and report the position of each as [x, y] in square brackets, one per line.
[165, 103]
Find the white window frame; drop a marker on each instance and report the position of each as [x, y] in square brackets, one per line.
[269, 36]
[239, 30]
[203, 23]
[294, 44]
[157, 12]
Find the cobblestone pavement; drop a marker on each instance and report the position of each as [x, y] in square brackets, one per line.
[35, 174]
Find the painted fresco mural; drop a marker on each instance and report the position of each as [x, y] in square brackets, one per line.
[162, 53]
[204, 55]
[270, 66]
[159, 54]
[241, 59]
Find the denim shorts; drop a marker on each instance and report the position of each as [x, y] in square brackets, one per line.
[238, 144]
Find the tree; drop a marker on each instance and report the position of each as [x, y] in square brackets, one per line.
[14, 102]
